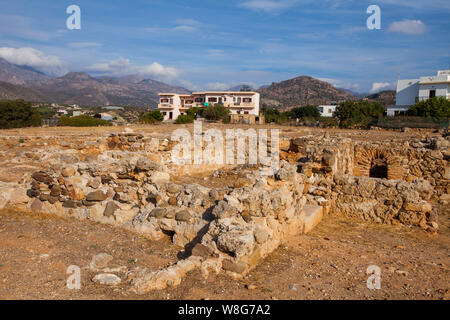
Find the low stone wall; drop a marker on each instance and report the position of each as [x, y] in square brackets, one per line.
[385, 201]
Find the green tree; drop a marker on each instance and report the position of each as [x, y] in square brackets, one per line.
[362, 113]
[305, 112]
[217, 112]
[18, 114]
[185, 118]
[438, 108]
[83, 121]
[151, 117]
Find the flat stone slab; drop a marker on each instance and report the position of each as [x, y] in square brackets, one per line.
[313, 215]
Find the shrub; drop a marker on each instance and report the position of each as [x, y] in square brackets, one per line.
[152, 117]
[18, 114]
[83, 121]
[185, 118]
[217, 112]
[305, 112]
[438, 108]
[272, 114]
[361, 113]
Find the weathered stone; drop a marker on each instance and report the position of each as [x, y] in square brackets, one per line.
[158, 213]
[55, 191]
[108, 279]
[70, 204]
[88, 203]
[42, 177]
[261, 235]
[144, 164]
[159, 177]
[53, 200]
[100, 261]
[36, 205]
[96, 196]
[238, 267]
[201, 251]
[172, 201]
[68, 172]
[183, 215]
[44, 196]
[422, 206]
[173, 188]
[111, 207]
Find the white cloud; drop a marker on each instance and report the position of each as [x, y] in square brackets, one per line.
[267, 5]
[34, 58]
[408, 27]
[379, 86]
[217, 86]
[341, 84]
[123, 66]
[84, 44]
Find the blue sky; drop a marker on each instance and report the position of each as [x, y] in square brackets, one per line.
[218, 44]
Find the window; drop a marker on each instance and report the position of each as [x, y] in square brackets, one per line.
[247, 99]
[212, 99]
[188, 102]
[321, 109]
[164, 100]
[198, 99]
[432, 93]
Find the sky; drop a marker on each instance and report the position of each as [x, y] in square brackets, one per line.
[218, 44]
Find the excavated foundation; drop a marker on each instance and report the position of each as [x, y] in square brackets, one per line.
[230, 217]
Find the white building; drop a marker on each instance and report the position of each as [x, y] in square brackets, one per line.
[413, 90]
[326, 111]
[172, 105]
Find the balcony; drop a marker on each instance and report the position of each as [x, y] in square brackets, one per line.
[165, 106]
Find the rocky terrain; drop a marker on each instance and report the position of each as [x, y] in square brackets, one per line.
[302, 91]
[226, 221]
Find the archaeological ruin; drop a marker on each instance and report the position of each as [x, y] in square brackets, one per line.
[232, 216]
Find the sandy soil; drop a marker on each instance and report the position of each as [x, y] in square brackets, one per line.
[329, 263]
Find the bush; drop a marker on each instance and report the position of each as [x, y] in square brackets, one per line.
[46, 112]
[272, 114]
[83, 121]
[438, 108]
[217, 112]
[152, 117]
[185, 118]
[305, 112]
[361, 113]
[18, 114]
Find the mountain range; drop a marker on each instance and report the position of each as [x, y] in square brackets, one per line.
[17, 82]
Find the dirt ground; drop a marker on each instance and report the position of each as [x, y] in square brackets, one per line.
[329, 263]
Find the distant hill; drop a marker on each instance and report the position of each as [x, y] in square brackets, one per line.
[386, 98]
[80, 88]
[19, 75]
[302, 90]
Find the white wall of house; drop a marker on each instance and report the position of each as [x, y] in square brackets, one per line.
[235, 101]
[440, 90]
[413, 90]
[407, 91]
[326, 111]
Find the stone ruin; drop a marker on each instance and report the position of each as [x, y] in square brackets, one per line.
[126, 181]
